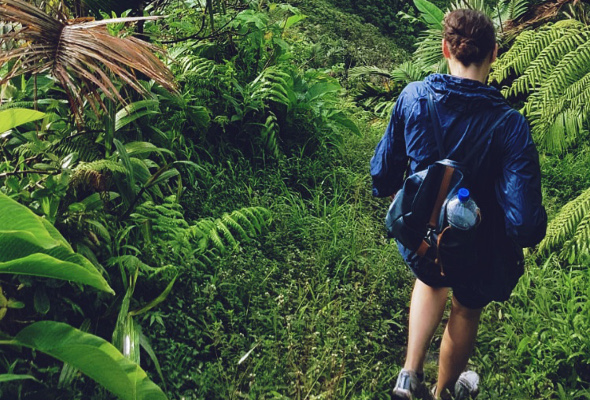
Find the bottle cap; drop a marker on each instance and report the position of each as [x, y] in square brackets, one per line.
[463, 195]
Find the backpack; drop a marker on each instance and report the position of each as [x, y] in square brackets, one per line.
[417, 216]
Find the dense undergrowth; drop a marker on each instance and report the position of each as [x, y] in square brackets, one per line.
[235, 222]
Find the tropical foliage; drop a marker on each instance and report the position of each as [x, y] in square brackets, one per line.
[187, 211]
[552, 69]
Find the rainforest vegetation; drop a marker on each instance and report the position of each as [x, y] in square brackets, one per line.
[186, 209]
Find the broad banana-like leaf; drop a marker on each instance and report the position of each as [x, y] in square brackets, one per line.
[30, 245]
[92, 355]
[430, 13]
[13, 117]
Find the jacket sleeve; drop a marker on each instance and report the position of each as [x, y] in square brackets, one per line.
[519, 188]
[389, 162]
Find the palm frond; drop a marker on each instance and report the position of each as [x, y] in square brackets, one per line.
[366, 71]
[428, 55]
[536, 15]
[480, 5]
[83, 56]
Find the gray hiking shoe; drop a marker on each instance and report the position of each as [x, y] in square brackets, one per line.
[410, 386]
[467, 386]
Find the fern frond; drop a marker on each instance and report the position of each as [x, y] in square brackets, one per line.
[270, 134]
[100, 166]
[534, 76]
[99, 230]
[32, 148]
[565, 225]
[512, 9]
[86, 148]
[272, 85]
[577, 249]
[95, 174]
[163, 222]
[572, 67]
[230, 229]
[557, 109]
[232, 222]
[553, 64]
[527, 46]
[196, 66]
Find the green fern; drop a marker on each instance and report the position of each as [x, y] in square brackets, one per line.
[552, 67]
[27, 104]
[270, 133]
[545, 62]
[381, 98]
[100, 166]
[161, 221]
[83, 145]
[197, 66]
[569, 232]
[528, 46]
[272, 84]
[95, 174]
[512, 9]
[227, 231]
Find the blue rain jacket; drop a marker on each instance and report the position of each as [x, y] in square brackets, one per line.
[506, 178]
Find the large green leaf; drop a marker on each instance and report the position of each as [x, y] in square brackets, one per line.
[13, 117]
[30, 245]
[93, 356]
[430, 13]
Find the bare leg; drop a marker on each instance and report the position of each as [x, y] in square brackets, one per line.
[426, 311]
[457, 343]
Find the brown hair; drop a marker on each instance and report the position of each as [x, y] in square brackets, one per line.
[470, 35]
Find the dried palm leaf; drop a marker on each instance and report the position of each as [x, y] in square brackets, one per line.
[536, 15]
[80, 54]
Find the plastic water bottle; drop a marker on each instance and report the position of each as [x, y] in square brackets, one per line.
[462, 211]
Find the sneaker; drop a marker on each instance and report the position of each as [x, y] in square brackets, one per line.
[410, 386]
[467, 386]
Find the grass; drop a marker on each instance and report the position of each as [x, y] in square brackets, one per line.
[316, 308]
[536, 345]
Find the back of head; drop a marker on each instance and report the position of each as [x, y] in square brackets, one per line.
[470, 35]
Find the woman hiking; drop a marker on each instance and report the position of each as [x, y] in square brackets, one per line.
[506, 184]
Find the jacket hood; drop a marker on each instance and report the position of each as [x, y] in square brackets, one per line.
[461, 93]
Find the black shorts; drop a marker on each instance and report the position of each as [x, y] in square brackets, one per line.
[468, 294]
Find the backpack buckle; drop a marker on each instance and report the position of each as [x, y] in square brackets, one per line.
[429, 236]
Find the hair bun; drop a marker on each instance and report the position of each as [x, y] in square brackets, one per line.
[470, 35]
[468, 48]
